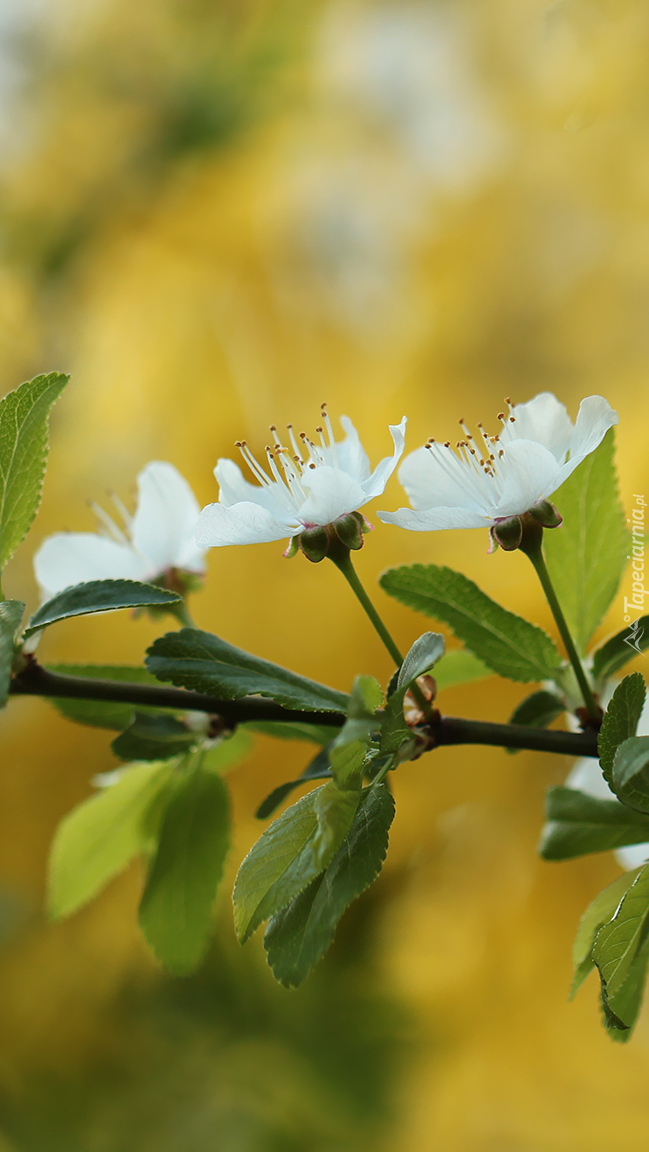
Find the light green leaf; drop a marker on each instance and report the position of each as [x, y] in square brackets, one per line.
[587, 554]
[621, 648]
[176, 909]
[98, 838]
[620, 721]
[23, 455]
[11, 613]
[631, 772]
[298, 936]
[293, 850]
[598, 912]
[459, 666]
[316, 769]
[622, 1009]
[348, 751]
[102, 713]
[396, 736]
[506, 643]
[153, 737]
[618, 941]
[423, 655]
[579, 824]
[199, 660]
[99, 596]
[536, 711]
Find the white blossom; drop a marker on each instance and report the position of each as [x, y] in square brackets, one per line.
[490, 479]
[158, 538]
[307, 485]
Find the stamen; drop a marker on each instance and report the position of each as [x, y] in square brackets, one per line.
[121, 508]
[108, 523]
[330, 434]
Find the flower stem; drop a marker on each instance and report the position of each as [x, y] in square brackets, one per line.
[343, 561]
[533, 549]
[182, 614]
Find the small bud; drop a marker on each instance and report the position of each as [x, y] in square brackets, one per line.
[508, 533]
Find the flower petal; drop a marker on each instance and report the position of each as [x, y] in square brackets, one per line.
[530, 472]
[543, 419]
[235, 489]
[438, 479]
[350, 456]
[594, 419]
[375, 484]
[332, 493]
[165, 520]
[434, 519]
[245, 523]
[74, 557]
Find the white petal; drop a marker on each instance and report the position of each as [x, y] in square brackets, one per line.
[530, 473]
[375, 484]
[543, 419]
[434, 519]
[350, 456]
[74, 557]
[244, 523]
[332, 493]
[433, 480]
[165, 520]
[235, 489]
[594, 419]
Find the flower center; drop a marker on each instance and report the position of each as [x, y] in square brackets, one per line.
[476, 457]
[287, 466]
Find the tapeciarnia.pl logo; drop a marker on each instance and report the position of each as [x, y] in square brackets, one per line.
[638, 591]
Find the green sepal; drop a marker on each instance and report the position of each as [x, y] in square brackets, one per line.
[349, 530]
[314, 543]
[545, 514]
[292, 548]
[508, 533]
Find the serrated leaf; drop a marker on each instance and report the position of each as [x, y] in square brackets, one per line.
[348, 751]
[176, 909]
[100, 836]
[621, 1011]
[587, 554]
[579, 824]
[620, 721]
[11, 613]
[280, 730]
[396, 736]
[102, 713]
[292, 851]
[630, 774]
[153, 737]
[316, 769]
[298, 936]
[621, 648]
[536, 711]
[506, 643]
[23, 455]
[598, 912]
[459, 666]
[199, 660]
[99, 596]
[618, 941]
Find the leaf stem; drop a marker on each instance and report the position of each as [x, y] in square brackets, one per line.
[532, 547]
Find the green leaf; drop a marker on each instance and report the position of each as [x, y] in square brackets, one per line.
[199, 660]
[506, 643]
[11, 613]
[280, 730]
[423, 655]
[621, 648]
[298, 936]
[348, 751]
[292, 851]
[621, 1010]
[536, 711]
[23, 455]
[396, 737]
[598, 912]
[617, 946]
[316, 769]
[579, 824]
[227, 752]
[99, 596]
[620, 721]
[102, 713]
[156, 737]
[98, 838]
[587, 554]
[459, 666]
[176, 909]
[631, 772]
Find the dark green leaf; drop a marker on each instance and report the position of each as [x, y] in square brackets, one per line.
[579, 824]
[598, 912]
[316, 769]
[620, 952]
[292, 851]
[99, 596]
[301, 933]
[459, 666]
[99, 837]
[199, 660]
[587, 554]
[620, 721]
[11, 613]
[536, 711]
[631, 772]
[506, 643]
[313, 733]
[101, 713]
[621, 1011]
[176, 909]
[153, 737]
[615, 653]
[23, 455]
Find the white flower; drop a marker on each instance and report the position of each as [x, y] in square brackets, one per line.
[493, 478]
[306, 486]
[158, 538]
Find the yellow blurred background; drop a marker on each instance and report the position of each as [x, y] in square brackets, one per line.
[216, 216]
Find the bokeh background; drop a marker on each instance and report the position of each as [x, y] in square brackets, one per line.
[217, 214]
